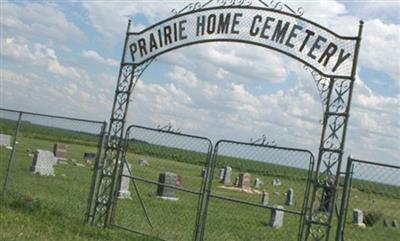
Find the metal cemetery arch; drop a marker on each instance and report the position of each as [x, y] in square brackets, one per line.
[330, 58]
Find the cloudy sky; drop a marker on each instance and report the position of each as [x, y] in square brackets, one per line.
[62, 57]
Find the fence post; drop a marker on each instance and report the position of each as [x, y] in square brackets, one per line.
[3, 193]
[97, 168]
[345, 200]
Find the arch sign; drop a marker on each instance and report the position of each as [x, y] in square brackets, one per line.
[292, 35]
[330, 58]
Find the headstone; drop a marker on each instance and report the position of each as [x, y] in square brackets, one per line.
[327, 199]
[264, 198]
[221, 174]
[258, 183]
[143, 163]
[124, 192]
[395, 223]
[276, 220]
[236, 181]
[227, 175]
[358, 218]
[386, 223]
[89, 156]
[5, 140]
[163, 191]
[60, 151]
[244, 180]
[276, 182]
[290, 197]
[43, 162]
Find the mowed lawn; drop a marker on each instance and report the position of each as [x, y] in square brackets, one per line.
[53, 208]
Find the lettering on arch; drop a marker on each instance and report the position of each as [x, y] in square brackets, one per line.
[308, 42]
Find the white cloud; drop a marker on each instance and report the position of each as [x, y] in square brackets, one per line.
[38, 19]
[39, 55]
[93, 55]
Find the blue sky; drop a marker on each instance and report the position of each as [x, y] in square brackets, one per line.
[62, 57]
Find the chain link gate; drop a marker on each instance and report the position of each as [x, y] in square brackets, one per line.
[152, 205]
[235, 209]
[371, 190]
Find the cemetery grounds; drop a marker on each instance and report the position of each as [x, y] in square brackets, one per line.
[53, 207]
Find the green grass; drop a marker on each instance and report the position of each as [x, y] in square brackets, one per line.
[53, 208]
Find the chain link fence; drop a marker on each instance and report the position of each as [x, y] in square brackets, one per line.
[162, 183]
[48, 169]
[372, 201]
[257, 192]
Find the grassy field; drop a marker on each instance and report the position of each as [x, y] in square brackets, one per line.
[53, 208]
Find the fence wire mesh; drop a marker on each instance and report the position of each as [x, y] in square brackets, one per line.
[249, 183]
[161, 194]
[373, 210]
[51, 170]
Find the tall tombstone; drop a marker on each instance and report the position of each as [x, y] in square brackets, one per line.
[60, 151]
[43, 162]
[227, 175]
[124, 192]
[236, 182]
[221, 174]
[358, 218]
[5, 140]
[290, 197]
[264, 198]
[244, 180]
[276, 220]
[165, 192]
[258, 183]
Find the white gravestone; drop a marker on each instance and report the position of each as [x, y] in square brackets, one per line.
[358, 218]
[43, 162]
[276, 182]
[258, 183]
[227, 175]
[290, 197]
[124, 192]
[5, 140]
[276, 220]
[221, 174]
[264, 198]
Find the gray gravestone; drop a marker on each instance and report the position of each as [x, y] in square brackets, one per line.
[276, 220]
[143, 163]
[386, 223]
[236, 181]
[124, 192]
[264, 198]
[276, 182]
[395, 224]
[221, 174]
[358, 218]
[290, 197]
[258, 183]
[244, 180]
[60, 151]
[89, 156]
[43, 162]
[163, 191]
[5, 140]
[227, 175]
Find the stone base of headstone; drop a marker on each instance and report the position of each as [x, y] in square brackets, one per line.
[124, 192]
[165, 192]
[43, 162]
[276, 220]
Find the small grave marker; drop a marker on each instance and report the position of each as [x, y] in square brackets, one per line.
[276, 182]
[43, 162]
[358, 218]
[244, 180]
[143, 163]
[258, 183]
[227, 175]
[276, 220]
[124, 192]
[264, 198]
[290, 197]
[163, 191]
[60, 151]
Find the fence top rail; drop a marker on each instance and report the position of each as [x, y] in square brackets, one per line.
[53, 116]
[266, 145]
[166, 132]
[373, 163]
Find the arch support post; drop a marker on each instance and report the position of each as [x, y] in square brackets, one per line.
[320, 212]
